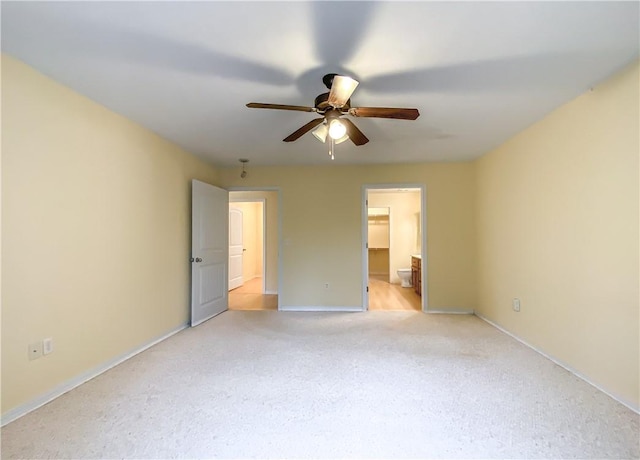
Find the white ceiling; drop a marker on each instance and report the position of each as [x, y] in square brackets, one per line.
[478, 72]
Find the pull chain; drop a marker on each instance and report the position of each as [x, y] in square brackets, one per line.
[331, 148]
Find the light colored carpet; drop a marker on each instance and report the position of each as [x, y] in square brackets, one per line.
[263, 384]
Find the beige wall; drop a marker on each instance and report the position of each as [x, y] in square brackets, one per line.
[404, 213]
[270, 198]
[95, 233]
[558, 228]
[322, 229]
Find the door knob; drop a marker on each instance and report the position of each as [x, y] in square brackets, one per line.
[198, 259]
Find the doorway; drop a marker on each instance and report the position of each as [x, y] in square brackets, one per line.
[394, 245]
[258, 286]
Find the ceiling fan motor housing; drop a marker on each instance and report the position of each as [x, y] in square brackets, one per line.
[328, 79]
[321, 103]
[331, 115]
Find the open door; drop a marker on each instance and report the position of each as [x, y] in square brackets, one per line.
[209, 251]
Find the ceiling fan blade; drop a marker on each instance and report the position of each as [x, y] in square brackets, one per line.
[305, 129]
[341, 90]
[300, 108]
[356, 136]
[385, 112]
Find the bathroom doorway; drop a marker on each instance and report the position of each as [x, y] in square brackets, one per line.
[393, 222]
[257, 288]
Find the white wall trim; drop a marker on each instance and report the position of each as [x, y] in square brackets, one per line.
[271, 292]
[622, 401]
[452, 311]
[78, 380]
[320, 308]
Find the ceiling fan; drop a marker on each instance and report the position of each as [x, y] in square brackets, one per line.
[332, 106]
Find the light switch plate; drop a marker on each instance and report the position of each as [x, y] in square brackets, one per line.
[516, 304]
[47, 346]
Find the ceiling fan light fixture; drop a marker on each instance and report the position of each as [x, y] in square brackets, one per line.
[341, 140]
[322, 131]
[337, 129]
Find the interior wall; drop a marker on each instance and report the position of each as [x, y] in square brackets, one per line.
[558, 228]
[322, 228]
[95, 233]
[271, 226]
[404, 209]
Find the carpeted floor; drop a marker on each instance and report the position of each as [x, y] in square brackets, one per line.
[264, 384]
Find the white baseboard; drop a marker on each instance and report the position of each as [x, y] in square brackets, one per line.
[318, 308]
[622, 401]
[78, 380]
[452, 311]
[271, 292]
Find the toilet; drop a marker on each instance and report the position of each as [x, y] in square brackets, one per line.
[405, 277]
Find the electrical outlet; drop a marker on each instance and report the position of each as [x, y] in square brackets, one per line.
[515, 303]
[47, 346]
[326, 285]
[35, 350]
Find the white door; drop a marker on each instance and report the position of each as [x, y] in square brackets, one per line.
[235, 248]
[209, 251]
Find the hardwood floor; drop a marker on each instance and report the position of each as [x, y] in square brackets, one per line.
[382, 296]
[249, 296]
[386, 296]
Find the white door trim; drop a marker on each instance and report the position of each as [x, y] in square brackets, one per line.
[423, 237]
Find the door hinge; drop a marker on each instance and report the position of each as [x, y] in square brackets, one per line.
[366, 202]
[367, 244]
[367, 288]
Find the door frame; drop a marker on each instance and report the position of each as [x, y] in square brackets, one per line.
[423, 239]
[264, 233]
[279, 230]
